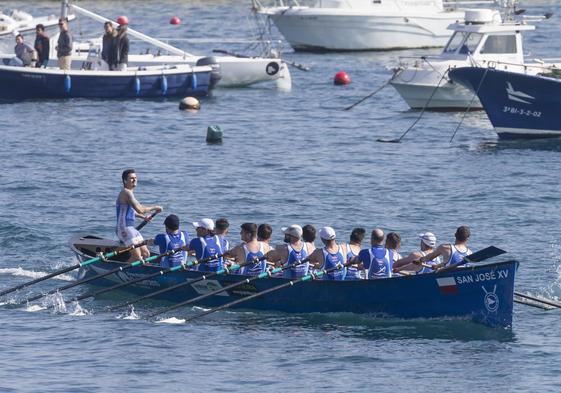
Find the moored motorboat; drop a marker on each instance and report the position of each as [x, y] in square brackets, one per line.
[18, 21]
[355, 25]
[33, 83]
[519, 105]
[481, 292]
[484, 39]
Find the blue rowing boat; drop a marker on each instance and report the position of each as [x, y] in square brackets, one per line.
[482, 292]
[519, 106]
[148, 82]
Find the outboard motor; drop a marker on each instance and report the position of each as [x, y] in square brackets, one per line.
[215, 74]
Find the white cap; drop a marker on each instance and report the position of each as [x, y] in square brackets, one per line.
[205, 223]
[428, 238]
[293, 230]
[327, 233]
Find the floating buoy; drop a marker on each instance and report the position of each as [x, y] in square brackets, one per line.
[67, 83]
[122, 20]
[189, 103]
[342, 78]
[174, 21]
[214, 134]
[137, 85]
[164, 85]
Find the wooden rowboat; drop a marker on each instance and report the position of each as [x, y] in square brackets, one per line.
[482, 293]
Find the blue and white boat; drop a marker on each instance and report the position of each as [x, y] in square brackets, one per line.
[482, 293]
[140, 82]
[518, 105]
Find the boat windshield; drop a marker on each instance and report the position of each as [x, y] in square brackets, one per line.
[502, 44]
[470, 43]
[455, 42]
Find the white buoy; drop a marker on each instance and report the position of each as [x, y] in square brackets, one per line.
[214, 134]
[189, 103]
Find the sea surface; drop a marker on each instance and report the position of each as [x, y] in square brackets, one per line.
[287, 157]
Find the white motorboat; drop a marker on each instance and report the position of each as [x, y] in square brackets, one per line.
[483, 40]
[18, 21]
[354, 25]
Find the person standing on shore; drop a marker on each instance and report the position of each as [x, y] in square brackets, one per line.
[64, 46]
[127, 209]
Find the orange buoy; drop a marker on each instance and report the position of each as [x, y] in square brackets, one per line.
[174, 20]
[342, 78]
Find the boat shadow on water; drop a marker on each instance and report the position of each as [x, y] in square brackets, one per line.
[546, 144]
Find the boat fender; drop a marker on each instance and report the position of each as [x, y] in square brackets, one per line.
[215, 74]
[193, 81]
[164, 85]
[137, 85]
[189, 103]
[67, 83]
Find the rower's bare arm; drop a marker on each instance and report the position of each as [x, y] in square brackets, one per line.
[414, 256]
[316, 258]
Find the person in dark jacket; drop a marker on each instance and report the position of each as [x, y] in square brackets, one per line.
[108, 50]
[64, 46]
[122, 44]
[42, 46]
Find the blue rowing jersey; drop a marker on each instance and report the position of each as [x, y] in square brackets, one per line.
[378, 260]
[256, 268]
[224, 243]
[205, 247]
[293, 258]
[353, 272]
[330, 261]
[424, 269]
[125, 215]
[456, 256]
[171, 241]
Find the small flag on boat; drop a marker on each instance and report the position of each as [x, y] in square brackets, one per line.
[447, 285]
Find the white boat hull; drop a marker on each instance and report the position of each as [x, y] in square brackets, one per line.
[317, 30]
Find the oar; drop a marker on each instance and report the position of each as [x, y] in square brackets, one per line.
[163, 290]
[479, 256]
[78, 265]
[549, 302]
[231, 286]
[368, 96]
[112, 271]
[531, 303]
[183, 266]
[308, 277]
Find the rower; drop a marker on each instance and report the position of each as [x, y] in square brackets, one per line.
[330, 256]
[352, 249]
[127, 209]
[206, 244]
[393, 242]
[222, 230]
[173, 239]
[250, 249]
[377, 260]
[428, 244]
[309, 237]
[451, 253]
[264, 233]
[291, 253]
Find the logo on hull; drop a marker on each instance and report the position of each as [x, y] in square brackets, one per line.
[491, 300]
[518, 96]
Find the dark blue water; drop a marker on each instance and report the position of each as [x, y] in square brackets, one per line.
[286, 158]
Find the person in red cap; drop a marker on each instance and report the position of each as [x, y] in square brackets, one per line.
[122, 43]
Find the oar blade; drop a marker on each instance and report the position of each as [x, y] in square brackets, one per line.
[382, 140]
[486, 253]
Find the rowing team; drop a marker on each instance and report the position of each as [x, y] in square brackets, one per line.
[296, 255]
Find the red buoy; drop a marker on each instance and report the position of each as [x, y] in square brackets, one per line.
[122, 20]
[174, 20]
[342, 78]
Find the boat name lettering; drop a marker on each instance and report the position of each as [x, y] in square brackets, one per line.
[521, 112]
[480, 277]
[32, 76]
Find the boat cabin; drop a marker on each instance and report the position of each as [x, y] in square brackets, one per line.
[483, 36]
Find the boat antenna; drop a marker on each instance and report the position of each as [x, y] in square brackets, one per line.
[64, 9]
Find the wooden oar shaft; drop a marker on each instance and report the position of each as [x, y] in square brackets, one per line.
[549, 302]
[143, 223]
[531, 303]
[228, 287]
[307, 277]
[179, 285]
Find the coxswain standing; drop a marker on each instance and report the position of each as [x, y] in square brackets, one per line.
[207, 244]
[428, 244]
[291, 253]
[452, 254]
[127, 209]
[330, 256]
[249, 250]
